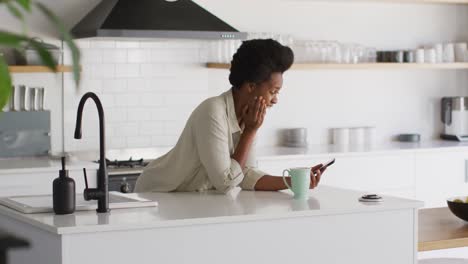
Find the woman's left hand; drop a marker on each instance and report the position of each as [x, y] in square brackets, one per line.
[315, 175]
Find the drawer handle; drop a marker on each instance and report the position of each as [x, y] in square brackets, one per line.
[466, 171]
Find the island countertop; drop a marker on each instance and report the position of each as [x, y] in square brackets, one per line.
[440, 229]
[183, 209]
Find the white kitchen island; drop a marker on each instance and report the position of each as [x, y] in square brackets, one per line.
[242, 227]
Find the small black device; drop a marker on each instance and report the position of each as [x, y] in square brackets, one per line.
[329, 163]
[63, 192]
[371, 198]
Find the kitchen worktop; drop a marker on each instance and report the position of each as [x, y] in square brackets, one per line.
[337, 150]
[185, 209]
[86, 159]
[440, 229]
[40, 164]
[278, 152]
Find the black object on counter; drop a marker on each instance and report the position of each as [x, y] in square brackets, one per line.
[460, 209]
[64, 192]
[409, 137]
[101, 193]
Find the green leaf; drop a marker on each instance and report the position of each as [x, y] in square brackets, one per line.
[45, 55]
[11, 39]
[66, 36]
[14, 10]
[26, 4]
[5, 83]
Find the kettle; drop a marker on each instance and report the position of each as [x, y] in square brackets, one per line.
[454, 115]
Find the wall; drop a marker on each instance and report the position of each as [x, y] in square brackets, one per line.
[150, 87]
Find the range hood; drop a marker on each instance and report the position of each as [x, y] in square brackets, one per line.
[153, 19]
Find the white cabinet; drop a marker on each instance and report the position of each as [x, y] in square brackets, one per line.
[385, 173]
[440, 175]
[33, 183]
[429, 175]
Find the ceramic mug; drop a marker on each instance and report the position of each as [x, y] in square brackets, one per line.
[300, 181]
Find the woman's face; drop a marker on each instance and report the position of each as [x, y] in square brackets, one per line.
[269, 90]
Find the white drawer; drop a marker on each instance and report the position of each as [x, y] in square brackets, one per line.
[368, 173]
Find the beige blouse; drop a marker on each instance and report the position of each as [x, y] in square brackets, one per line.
[201, 159]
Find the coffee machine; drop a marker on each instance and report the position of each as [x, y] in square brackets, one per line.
[454, 114]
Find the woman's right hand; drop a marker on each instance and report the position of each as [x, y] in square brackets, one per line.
[254, 114]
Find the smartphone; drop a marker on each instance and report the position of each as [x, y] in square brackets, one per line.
[329, 163]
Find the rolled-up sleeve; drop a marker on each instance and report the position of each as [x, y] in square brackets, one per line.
[211, 138]
[252, 174]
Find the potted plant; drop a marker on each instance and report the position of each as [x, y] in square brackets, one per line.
[19, 9]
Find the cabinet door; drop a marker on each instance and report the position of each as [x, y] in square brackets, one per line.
[439, 176]
[372, 173]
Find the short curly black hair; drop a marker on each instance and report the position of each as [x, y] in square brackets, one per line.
[257, 59]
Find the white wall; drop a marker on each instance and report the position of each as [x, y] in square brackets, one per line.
[150, 87]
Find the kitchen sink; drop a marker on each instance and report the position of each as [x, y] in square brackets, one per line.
[30, 204]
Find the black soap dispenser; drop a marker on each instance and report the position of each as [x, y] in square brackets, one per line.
[64, 192]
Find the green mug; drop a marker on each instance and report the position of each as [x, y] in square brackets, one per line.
[300, 181]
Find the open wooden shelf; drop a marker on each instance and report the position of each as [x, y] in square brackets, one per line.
[362, 66]
[34, 68]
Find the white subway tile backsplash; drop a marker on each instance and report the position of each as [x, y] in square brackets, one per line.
[87, 143]
[89, 56]
[187, 100]
[114, 86]
[107, 100]
[160, 113]
[115, 114]
[173, 44]
[148, 90]
[102, 71]
[172, 84]
[167, 79]
[127, 44]
[138, 85]
[175, 55]
[82, 43]
[139, 141]
[156, 44]
[173, 128]
[139, 114]
[188, 44]
[90, 85]
[164, 140]
[152, 70]
[150, 99]
[114, 56]
[127, 99]
[172, 114]
[138, 55]
[127, 70]
[116, 142]
[152, 128]
[126, 129]
[102, 44]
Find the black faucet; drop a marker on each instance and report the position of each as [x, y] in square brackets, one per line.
[101, 193]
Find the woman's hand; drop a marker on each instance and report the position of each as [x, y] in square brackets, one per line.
[315, 175]
[254, 114]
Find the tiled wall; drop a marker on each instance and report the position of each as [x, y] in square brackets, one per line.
[148, 90]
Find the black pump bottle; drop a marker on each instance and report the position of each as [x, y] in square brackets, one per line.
[64, 192]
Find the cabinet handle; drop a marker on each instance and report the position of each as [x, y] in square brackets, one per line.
[466, 171]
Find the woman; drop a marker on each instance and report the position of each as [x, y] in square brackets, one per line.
[213, 149]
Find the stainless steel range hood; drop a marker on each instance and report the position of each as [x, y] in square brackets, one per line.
[153, 19]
